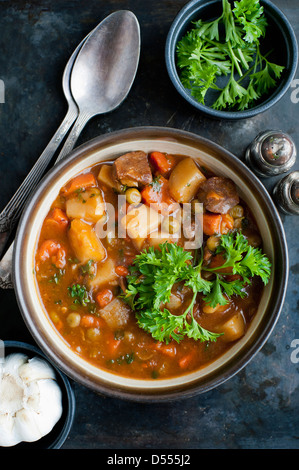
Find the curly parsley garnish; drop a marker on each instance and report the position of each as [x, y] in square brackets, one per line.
[228, 46]
[155, 271]
[244, 260]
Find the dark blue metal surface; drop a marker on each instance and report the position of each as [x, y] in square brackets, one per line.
[257, 408]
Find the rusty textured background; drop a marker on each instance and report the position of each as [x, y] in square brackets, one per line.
[257, 408]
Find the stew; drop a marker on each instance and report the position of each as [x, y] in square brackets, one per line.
[120, 282]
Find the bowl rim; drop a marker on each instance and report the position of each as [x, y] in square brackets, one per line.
[58, 442]
[182, 18]
[153, 132]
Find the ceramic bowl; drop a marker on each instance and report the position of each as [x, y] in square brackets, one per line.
[58, 435]
[280, 38]
[108, 147]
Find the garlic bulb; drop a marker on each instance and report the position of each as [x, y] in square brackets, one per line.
[30, 399]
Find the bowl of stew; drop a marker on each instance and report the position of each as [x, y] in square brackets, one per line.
[126, 264]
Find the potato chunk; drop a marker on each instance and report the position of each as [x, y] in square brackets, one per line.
[88, 205]
[107, 178]
[174, 302]
[158, 237]
[105, 274]
[233, 328]
[185, 180]
[84, 242]
[140, 221]
[138, 243]
[116, 313]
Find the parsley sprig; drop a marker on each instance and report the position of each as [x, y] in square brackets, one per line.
[244, 260]
[155, 271]
[228, 46]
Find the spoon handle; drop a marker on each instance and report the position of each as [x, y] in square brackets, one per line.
[73, 136]
[12, 211]
[6, 262]
[6, 281]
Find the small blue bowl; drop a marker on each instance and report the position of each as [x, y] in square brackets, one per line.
[57, 436]
[280, 37]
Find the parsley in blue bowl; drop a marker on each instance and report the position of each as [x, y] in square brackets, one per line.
[231, 59]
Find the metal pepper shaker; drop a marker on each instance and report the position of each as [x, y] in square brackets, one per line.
[286, 193]
[271, 153]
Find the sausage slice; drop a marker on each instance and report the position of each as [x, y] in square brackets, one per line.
[218, 194]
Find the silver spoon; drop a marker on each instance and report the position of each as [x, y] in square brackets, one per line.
[11, 212]
[104, 70]
[101, 75]
[112, 50]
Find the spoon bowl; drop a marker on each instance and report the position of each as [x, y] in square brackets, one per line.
[104, 70]
[108, 55]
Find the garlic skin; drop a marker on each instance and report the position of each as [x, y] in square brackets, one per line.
[30, 399]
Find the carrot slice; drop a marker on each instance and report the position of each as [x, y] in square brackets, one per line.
[167, 349]
[86, 180]
[217, 223]
[157, 195]
[50, 249]
[211, 223]
[47, 249]
[57, 218]
[227, 223]
[87, 321]
[186, 360]
[162, 163]
[59, 325]
[112, 345]
[122, 271]
[104, 297]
